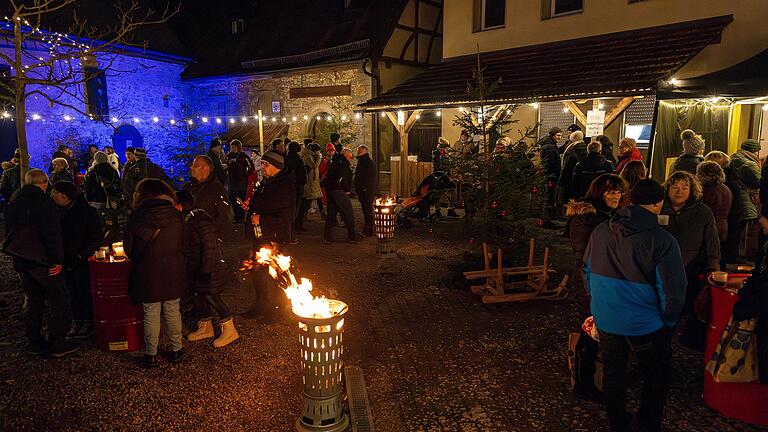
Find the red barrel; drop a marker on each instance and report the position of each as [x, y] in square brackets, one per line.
[745, 402]
[119, 323]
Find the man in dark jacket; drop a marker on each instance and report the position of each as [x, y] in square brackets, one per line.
[592, 167]
[295, 167]
[82, 234]
[366, 186]
[574, 153]
[550, 162]
[214, 154]
[142, 168]
[338, 186]
[34, 241]
[271, 209]
[10, 181]
[336, 141]
[239, 168]
[209, 194]
[636, 277]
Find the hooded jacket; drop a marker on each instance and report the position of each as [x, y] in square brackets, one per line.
[590, 168]
[635, 274]
[339, 174]
[32, 211]
[100, 182]
[154, 241]
[686, 162]
[634, 154]
[743, 178]
[550, 158]
[138, 171]
[585, 216]
[694, 228]
[575, 153]
[274, 200]
[718, 198]
[211, 196]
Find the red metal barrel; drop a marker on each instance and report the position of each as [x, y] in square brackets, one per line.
[119, 323]
[745, 402]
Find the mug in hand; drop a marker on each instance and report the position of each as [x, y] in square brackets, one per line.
[720, 278]
[663, 220]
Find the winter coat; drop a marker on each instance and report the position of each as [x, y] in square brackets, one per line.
[207, 271]
[718, 198]
[10, 182]
[70, 162]
[154, 241]
[138, 171]
[764, 190]
[102, 182]
[550, 159]
[239, 168]
[753, 303]
[743, 178]
[575, 153]
[58, 176]
[114, 161]
[31, 210]
[624, 159]
[635, 274]
[218, 168]
[82, 232]
[211, 196]
[366, 183]
[585, 216]
[274, 201]
[686, 162]
[594, 165]
[294, 166]
[339, 174]
[694, 228]
[312, 162]
[607, 151]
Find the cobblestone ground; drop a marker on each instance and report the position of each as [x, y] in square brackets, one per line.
[435, 358]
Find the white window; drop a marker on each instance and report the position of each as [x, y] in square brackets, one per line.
[238, 26]
[488, 14]
[640, 133]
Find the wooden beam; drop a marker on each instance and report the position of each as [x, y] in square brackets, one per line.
[498, 112]
[418, 30]
[393, 118]
[616, 111]
[412, 120]
[580, 116]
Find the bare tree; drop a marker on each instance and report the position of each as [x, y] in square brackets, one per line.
[56, 65]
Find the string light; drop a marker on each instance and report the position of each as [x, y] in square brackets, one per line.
[231, 121]
[67, 117]
[306, 118]
[204, 119]
[244, 119]
[35, 116]
[190, 122]
[343, 118]
[358, 116]
[155, 119]
[293, 118]
[439, 113]
[136, 120]
[218, 121]
[173, 122]
[565, 110]
[318, 118]
[114, 120]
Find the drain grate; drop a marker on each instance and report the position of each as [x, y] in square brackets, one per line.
[357, 396]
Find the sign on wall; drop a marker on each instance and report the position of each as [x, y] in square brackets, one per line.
[595, 123]
[275, 106]
[324, 91]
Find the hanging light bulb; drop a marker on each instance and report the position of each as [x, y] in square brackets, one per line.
[439, 113]
[173, 122]
[190, 122]
[67, 117]
[418, 116]
[35, 116]
[136, 120]
[218, 121]
[283, 119]
[114, 120]
[306, 118]
[358, 116]
[231, 120]
[565, 110]
[274, 119]
[319, 118]
[155, 119]
[343, 118]
[383, 114]
[293, 119]
[244, 119]
[204, 119]
[600, 106]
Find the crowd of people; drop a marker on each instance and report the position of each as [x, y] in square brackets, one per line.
[55, 221]
[642, 248]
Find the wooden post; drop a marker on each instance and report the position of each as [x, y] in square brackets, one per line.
[261, 133]
[403, 130]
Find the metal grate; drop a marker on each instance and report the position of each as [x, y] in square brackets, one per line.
[551, 114]
[357, 395]
[640, 112]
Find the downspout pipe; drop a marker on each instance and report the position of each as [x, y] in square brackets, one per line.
[375, 89]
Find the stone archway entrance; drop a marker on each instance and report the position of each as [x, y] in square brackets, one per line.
[317, 128]
[126, 136]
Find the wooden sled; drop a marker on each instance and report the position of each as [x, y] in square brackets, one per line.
[533, 287]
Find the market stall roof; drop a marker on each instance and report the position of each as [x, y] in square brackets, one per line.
[249, 134]
[628, 63]
[746, 79]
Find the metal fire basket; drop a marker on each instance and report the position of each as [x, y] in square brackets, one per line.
[322, 347]
[384, 221]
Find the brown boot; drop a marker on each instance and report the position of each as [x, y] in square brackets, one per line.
[204, 331]
[228, 334]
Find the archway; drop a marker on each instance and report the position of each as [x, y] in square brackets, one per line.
[317, 128]
[126, 136]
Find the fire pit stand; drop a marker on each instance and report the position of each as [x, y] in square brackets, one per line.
[384, 221]
[322, 347]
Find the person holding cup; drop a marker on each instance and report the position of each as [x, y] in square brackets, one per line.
[692, 223]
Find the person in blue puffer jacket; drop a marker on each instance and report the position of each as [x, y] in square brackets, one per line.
[636, 277]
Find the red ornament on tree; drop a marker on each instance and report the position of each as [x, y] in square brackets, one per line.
[429, 230]
[550, 185]
[494, 205]
[540, 222]
[504, 213]
[534, 190]
[471, 239]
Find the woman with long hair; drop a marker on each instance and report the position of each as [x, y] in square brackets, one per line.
[633, 172]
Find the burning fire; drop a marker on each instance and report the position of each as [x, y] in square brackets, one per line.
[303, 303]
[386, 201]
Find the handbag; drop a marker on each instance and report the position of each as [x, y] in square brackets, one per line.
[735, 359]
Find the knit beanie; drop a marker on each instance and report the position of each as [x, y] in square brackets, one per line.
[215, 143]
[692, 143]
[576, 136]
[140, 152]
[330, 146]
[67, 188]
[274, 158]
[647, 192]
[751, 145]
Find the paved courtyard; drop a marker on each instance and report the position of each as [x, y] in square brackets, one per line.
[434, 357]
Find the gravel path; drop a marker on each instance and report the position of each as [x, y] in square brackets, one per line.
[434, 357]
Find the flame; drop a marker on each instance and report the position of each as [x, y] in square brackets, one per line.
[386, 201]
[303, 303]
